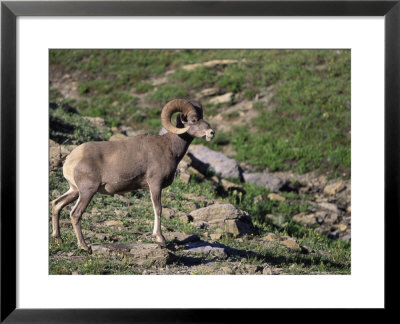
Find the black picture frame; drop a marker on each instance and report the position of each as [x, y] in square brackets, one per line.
[10, 10]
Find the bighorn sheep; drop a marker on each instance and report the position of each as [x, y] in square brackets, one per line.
[140, 162]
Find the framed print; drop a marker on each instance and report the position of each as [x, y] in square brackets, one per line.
[288, 112]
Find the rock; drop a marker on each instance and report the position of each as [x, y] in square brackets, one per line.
[191, 205]
[260, 198]
[168, 213]
[225, 98]
[122, 213]
[58, 154]
[185, 218]
[212, 63]
[306, 219]
[224, 216]
[334, 188]
[273, 196]
[270, 237]
[267, 270]
[140, 254]
[346, 237]
[183, 166]
[329, 206]
[195, 172]
[123, 199]
[118, 137]
[209, 92]
[55, 193]
[185, 177]
[331, 218]
[264, 179]
[208, 248]
[348, 209]
[251, 269]
[111, 223]
[230, 186]
[96, 121]
[215, 236]
[342, 227]
[129, 131]
[225, 271]
[320, 216]
[181, 238]
[202, 157]
[291, 245]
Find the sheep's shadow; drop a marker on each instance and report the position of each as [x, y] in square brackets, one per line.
[220, 251]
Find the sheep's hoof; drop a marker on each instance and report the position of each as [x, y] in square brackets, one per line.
[86, 248]
[162, 244]
[161, 241]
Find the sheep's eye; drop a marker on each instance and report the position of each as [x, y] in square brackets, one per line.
[193, 121]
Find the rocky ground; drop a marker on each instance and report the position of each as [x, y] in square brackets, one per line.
[228, 238]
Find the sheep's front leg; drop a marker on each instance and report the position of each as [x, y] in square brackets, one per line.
[155, 194]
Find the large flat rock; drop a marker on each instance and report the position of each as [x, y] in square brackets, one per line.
[226, 217]
[202, 158]
[265, 180]
[140, 254]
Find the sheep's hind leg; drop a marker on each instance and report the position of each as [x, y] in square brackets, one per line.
[76, 215]
[155, 194]
[57, 205]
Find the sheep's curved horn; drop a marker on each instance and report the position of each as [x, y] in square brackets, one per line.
[176, 105]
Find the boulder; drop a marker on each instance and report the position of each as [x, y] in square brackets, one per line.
[270, 237]
[209, 92]
[329, 206]
[264, 179]
[98, 122]
[118, 137]
[291, 245]
[113, 223]
[208, 248]
[203, 158]
[273, 196]
[58, 154]
[181, 238]
[225, 217]
[209, 64]
[306, 219]
[334, 188]
[140, 254]
[225, 98]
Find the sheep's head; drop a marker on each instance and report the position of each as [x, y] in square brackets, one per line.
[189, 120]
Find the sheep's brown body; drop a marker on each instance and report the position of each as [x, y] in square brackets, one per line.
[141, 162]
